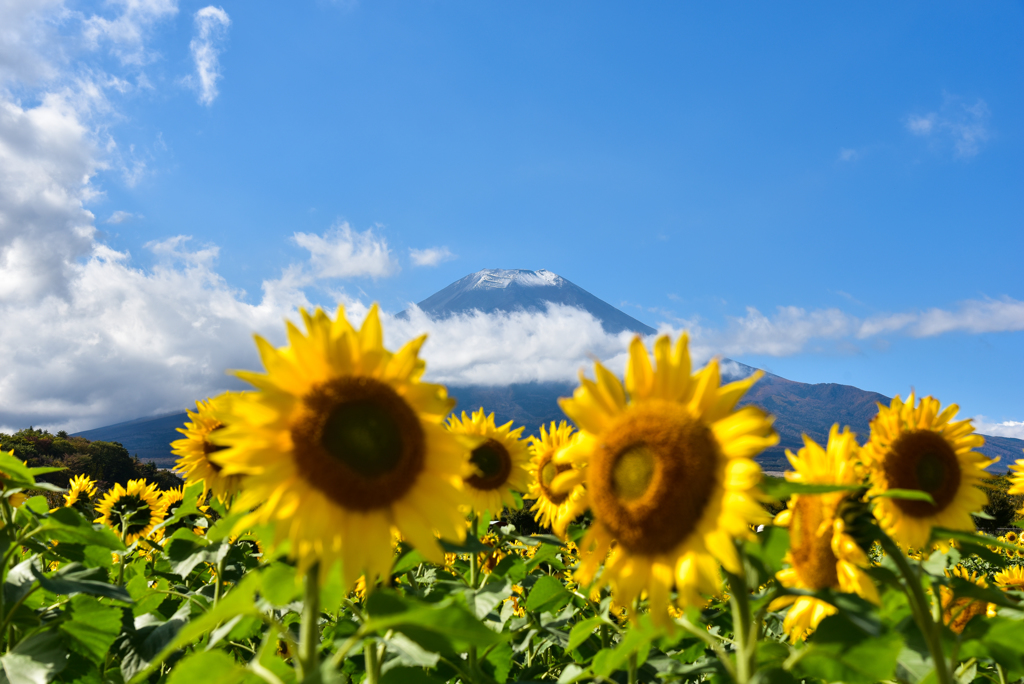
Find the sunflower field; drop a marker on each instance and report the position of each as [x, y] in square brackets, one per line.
[339, 523]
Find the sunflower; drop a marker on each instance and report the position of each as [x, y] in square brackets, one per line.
[498, 464]
[194, 449]
[555, 509]
[1011, 579]
[131, 511]
[1017, 480]
[81, 490]
[958, 611]
[822, 554]
[922, 448]
[1011, 537]
[341, 444]
[670, 476]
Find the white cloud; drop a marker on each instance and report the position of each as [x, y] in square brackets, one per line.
[211, 30]
[431, 256]
[128, 31]
[964, 127]
[120, 216]
[847, 154]
[1006, 428]
[346, 253]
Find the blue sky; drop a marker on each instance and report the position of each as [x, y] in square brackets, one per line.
[831, 193]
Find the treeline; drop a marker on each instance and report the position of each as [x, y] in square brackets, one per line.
[106, 462]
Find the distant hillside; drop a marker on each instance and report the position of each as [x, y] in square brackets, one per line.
[798, 408]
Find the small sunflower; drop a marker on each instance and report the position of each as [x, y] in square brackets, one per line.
[1011, 537]
[131, 511]
[194, 450]
[958, 611]
[921, 448]
[1011, 579]
[822, 554]
[671, 478]
[81, 490]
[555, 508]
[1017, 480]
[341, 445]
[498, 464]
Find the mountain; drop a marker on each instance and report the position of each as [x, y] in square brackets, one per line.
[495, 289]
[798, 407]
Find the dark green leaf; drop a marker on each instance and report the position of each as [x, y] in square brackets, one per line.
[838, 651]
[36, 660]
[207, 666]
[778, 488]
[906, 494]
[581, 631]
[75, 578]
[408, 675]
[20, 579]
[449, 618]
[279, 583]
[152, 638]
[93, 627]
[547, 595]
[66, 525]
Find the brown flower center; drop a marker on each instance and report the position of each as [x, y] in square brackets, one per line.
[210, 448]
[652, 476]
[813, 559]
[357, 441]
[923, 460]
[547, 469]
[494, 463]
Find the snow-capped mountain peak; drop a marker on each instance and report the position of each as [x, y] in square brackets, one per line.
[501, 278]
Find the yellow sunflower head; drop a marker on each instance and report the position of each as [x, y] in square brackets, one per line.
[342, 443]
[958, 611]
[1011, 579]
[1011, 537]
[822, 555]
[131, 511]
[670, 479]
[81, 490]
[1016, 474]
[195, 448]
[557, 487]
[921, 447]
[497, 465]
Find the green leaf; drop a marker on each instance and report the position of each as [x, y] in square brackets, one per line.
[408, 561]
[207, 666]
[636, 640]
[545, 554]
[906, 494]
[406, 675]
[448, 618]
[93, 627]
[841, 652]
[487, 597]
[512, 567]
[241, 600]
[12, 466]
[972, 539]
[150, 641]
[547, 595]
[279, 584]
[75, 578]
[19, 581]
[499, 663]
[36, 660]
[66, 525]
[778, 488]
[581, 631]
[997, 638]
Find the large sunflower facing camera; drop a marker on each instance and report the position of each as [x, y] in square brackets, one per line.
[498, 462]
[670, 477]
[920, 447]
[822, 554]
[341, 444]
[194, 449]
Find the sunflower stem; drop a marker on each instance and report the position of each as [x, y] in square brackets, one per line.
[218, 572]
[742, 627]
[309, 628]
[919, 606]
[372, 657]
[631, 672]
[474, 570]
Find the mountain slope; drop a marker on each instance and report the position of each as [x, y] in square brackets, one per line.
[495, 289]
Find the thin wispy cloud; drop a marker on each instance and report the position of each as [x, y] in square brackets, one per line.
[848, 155]
[431, 256]
[960, 126]
[211, 31]
[342, 252]
[122, 216]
